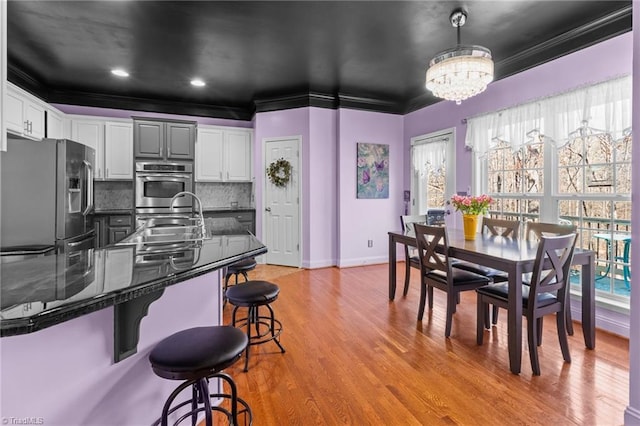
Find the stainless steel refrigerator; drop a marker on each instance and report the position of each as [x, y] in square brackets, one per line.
[47, 194]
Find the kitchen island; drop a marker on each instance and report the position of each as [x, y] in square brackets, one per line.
[77, 329]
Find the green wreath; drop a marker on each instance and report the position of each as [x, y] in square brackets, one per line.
[279, 172]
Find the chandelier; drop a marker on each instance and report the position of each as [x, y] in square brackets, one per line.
[462, 72]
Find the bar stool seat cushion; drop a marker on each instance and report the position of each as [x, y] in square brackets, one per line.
[252, 293]
[196, 350]
[242, 265]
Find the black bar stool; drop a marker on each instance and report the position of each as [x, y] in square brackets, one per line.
[197, 355]
[240, 267]
[253, 295]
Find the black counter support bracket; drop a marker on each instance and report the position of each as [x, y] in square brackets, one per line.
[126, 326]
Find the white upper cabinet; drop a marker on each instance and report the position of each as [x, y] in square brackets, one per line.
[118, 150]
[55, 126]
[24, 113]
[209, 148]
[90, 132]
[112, 140]
[237, 155]
[223, 154]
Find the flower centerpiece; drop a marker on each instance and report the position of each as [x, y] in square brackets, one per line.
[469, 204]
[471, 207]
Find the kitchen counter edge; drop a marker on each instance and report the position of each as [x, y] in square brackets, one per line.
[61, 314]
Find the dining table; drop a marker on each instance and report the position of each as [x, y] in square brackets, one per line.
[515, 257]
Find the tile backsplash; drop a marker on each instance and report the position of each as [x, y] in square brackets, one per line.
[112, 195]
[222, 194]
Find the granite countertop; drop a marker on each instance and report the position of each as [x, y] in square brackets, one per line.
[204, 209]
[113, 211]
[228, 209]
[49, 290]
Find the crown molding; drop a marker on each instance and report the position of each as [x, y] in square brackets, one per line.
[26, 81]
[166, 106]
[300, 100]
[599, 30]
[327, 101]
[369, 104]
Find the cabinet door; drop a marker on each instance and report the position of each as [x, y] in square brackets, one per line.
[117, 233]
[180, 140]
[99, 224]
[209, 158]
[237, 153]
[13, 114]
[54, 125]
[119, 226]
[91, 133]
[148, 139]
[118, 151]
[34, 115]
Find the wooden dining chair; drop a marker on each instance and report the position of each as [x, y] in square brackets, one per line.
[495, 227]
[546, 294]
[436, 271]
[411, 259]
[534, 231]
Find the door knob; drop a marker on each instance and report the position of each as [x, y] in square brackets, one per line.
[267, 209]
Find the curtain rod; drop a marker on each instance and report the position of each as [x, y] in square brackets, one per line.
[542, 98]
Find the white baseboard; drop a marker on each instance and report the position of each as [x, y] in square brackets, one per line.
[318, 264]
[362, 261]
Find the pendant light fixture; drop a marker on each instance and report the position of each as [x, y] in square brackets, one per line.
[462, 72]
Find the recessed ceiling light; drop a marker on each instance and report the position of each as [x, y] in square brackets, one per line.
[197, 82]
[119, 72]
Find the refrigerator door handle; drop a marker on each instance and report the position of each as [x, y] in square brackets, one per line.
[89, 186]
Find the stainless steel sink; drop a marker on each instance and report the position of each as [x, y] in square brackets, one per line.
[159, 231]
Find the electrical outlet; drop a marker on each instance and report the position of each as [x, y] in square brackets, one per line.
[369, 243]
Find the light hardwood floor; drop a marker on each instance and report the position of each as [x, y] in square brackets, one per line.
[355, 358]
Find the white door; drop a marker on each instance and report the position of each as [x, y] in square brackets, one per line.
[282, 204]
[433, 180]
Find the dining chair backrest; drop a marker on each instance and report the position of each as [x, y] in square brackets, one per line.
[551, 268]
[540, 229]
[433, 247]
[407, 222]
[501, 227]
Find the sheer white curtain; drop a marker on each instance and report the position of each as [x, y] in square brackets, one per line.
[603, 107]
[430, 154]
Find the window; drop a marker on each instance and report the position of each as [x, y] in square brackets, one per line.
[432, 180]
[542, 162]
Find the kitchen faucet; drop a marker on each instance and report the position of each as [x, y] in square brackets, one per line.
[182, 193]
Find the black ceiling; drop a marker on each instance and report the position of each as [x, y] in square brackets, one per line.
[266, 55]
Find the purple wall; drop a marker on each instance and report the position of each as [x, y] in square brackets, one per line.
[335, 225]
[361, 220]
[594, 64]
[632, 413]
[64, 374]
[121, 113]
[291, 122]
[321, 225]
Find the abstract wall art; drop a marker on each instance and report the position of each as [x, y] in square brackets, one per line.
[373, 170]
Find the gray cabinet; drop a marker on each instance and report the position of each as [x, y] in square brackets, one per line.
[246, 218]
[111, 228]
[118, 227]
[164, 140]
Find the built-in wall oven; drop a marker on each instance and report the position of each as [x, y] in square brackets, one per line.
[155, 185]
[158, 182]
